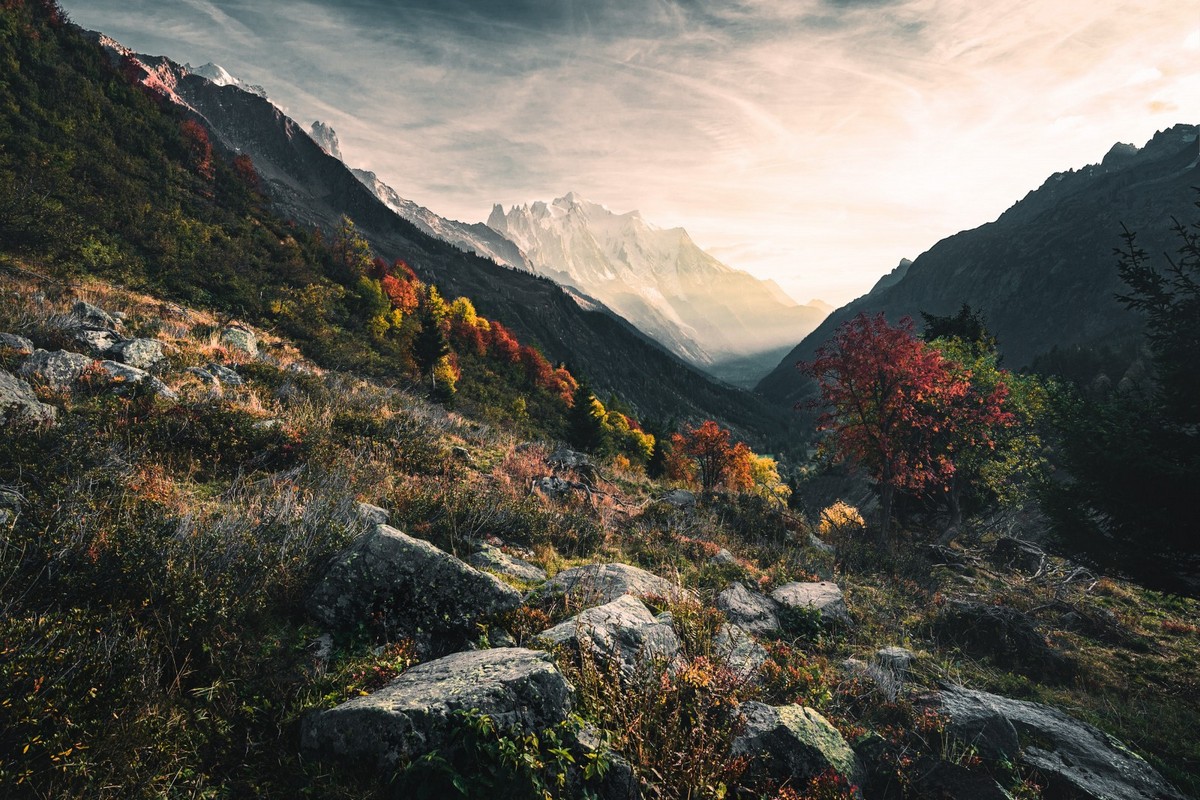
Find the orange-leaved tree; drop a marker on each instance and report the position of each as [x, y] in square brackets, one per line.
[716, 458]
[894, 405]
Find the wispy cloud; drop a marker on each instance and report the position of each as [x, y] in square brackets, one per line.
[815, 142]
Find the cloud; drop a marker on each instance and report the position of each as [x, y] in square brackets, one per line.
[815, 141]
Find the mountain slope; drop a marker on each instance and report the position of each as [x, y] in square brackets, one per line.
[1043, 273]
[660, 280]
[312, 187]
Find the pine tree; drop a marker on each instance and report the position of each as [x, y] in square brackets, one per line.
[585, 421]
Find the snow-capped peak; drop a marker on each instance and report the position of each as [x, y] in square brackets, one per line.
[325, 136]
[221, 77]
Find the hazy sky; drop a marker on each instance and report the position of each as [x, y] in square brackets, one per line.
[815, 142]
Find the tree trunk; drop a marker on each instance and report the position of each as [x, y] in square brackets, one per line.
[886, 496]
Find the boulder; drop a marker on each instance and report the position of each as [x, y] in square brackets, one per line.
[740, 652]
[17, 401]
[1075, 758]
[96, 342]
[556, 488]
[16, 345]
[242, 339]
[224, 374]
[896, 660]
[749, 610]
[823, 597]
[86, 315]
[622, 632]
[57, 370]
[496, 560]
[619, 782]
[140, 353]
[416, 713]
[820, 545]
[723, 558]
[204, 376]
[566, 459]
[792, 744]
[372, 514]
[124, 377]
[596, 584]
[406, 587]
[1002, 634]
[680, 498]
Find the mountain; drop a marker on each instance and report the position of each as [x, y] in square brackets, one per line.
[659, 279]
[313, 188]
[221, 77]
[325, 136]
[1043, 273]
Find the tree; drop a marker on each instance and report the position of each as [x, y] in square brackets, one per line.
[430, 347]
[585, 421]
[1132, 460]
[894, 405]
[710, 446]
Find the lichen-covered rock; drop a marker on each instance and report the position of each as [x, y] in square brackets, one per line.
[739, 651]
[748, 609]
[597, 584]
[224, 374]
[1076, 759]
[416, 713]
[242, 339]
[371, 514]
[58, 370]
[681, 499]
[17, 401]
[140, 353]
[86, 315]
[792, 744]
[124, 378]
[896, 660]
[723, 558]
[623, 631]
[16, 345]
[408, 587]
[496, 560]
[821, 596]
[96, 342]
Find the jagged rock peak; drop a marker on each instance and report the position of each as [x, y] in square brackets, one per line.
[325, 136]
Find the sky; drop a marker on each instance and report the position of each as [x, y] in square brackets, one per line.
[815, 142]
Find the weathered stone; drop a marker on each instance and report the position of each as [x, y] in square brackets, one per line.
[749, 610]
[579, 463]
[1077, 759]
[408, 587]
[596, 584]
[821, 596]
[896, 660]
[86, 315]
[723, 558]
[204, 376]
[623, 632]
[1003, 634]
[96, 342]
[17, 401]
[739, 651]
[140, 353]
[619, 782]
[793, 744]
[553, 487]
[821, 545]
[417, 713]
[496, 560]
[16, 345]
[240, 339]
[224, 374]
[372, 514]
[57, 370]
[125, 377]
[681, 499]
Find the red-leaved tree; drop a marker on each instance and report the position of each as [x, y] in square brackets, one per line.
[895, 406]
[711, 448]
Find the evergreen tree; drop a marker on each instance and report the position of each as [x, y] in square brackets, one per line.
[429, 347]
[585, 421]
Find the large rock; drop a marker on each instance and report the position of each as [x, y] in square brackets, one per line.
[243, 339]
[596, 584]
[1077, 759]
[17, 401]
[16, 345]
[57, 370]
[793, 744]
[224, 374]
[496, 560]
[140, 353]
[823, 597]
[681, 499]
[408, 587]
[124, 378]
[739, 651]
[86, 315]
[748, 609]
[416, 713]
[623, 632]
[1003, 634]
[96, 342]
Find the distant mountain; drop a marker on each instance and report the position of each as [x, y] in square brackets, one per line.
[312, 187]
[221, 77]
[1043, 273]
[327, 138]
[659, 280]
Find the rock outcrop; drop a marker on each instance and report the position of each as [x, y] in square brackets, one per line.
[749, 610]
[822, 597]
[406, 587]
[597, 584]
[793, 744]
[17, 401]
[1002, 634]
[1077, 759]
[622, 632]
[496, 560]
[416, 714]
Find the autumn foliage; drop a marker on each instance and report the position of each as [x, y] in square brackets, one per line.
[896, 406]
